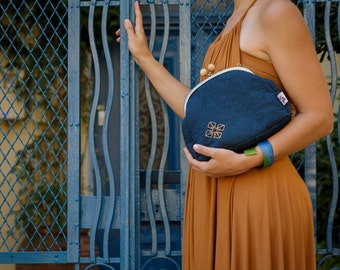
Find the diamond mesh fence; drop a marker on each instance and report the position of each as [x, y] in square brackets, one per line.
[33, 119]
[207, 21]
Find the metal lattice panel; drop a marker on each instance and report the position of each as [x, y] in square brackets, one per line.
[207, 21]
[33, 119]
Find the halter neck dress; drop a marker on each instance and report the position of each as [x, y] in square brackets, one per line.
[259, 220]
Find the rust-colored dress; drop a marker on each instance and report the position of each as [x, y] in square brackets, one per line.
[259, 220]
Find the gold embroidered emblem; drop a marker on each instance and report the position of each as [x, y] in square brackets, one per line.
[214, 131]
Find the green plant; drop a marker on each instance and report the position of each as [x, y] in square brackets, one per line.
[41, 168]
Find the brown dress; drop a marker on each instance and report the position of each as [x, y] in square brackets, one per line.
[259, 220]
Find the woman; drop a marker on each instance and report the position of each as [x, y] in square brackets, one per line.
[237, 214]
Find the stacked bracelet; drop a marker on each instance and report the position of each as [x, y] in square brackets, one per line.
[268, 153]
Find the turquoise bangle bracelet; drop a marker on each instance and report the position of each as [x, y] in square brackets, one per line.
[268, 153]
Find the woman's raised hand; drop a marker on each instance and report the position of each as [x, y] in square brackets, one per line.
[137, 41]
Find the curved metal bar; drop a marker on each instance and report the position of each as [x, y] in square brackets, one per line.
[331, 52]
[309, 11]
[339, 124]
[335, 195]
[323, 259]
[148, 194]
[99, 264]
[166, 141]
[91, 130]
[152, 262]
[338, 20]
[105, 134]
[310, 151]
[334, 200]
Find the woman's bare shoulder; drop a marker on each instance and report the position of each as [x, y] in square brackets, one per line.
[280, 21]
[279, 12]
[272, 24]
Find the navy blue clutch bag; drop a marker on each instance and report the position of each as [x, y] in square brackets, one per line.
[233, 109]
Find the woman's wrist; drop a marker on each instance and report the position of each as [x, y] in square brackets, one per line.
[145, 60]
[268, 153]
[253, 157]
[260, 156]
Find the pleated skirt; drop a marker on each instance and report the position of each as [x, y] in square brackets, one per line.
[260, 220]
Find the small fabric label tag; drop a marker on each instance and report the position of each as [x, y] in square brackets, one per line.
[281, 96]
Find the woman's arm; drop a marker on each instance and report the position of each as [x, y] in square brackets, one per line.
[290, 48]
[275, 31]
[171, 90]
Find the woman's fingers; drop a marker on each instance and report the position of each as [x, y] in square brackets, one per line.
[194, 163]
[118, 35]
[128, 27]
[221, 162]
[204, 150]
[139, 19]
[131, 31]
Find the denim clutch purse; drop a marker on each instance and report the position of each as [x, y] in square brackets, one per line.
[233, 109]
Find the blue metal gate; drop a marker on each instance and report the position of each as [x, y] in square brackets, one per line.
[92, 174]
